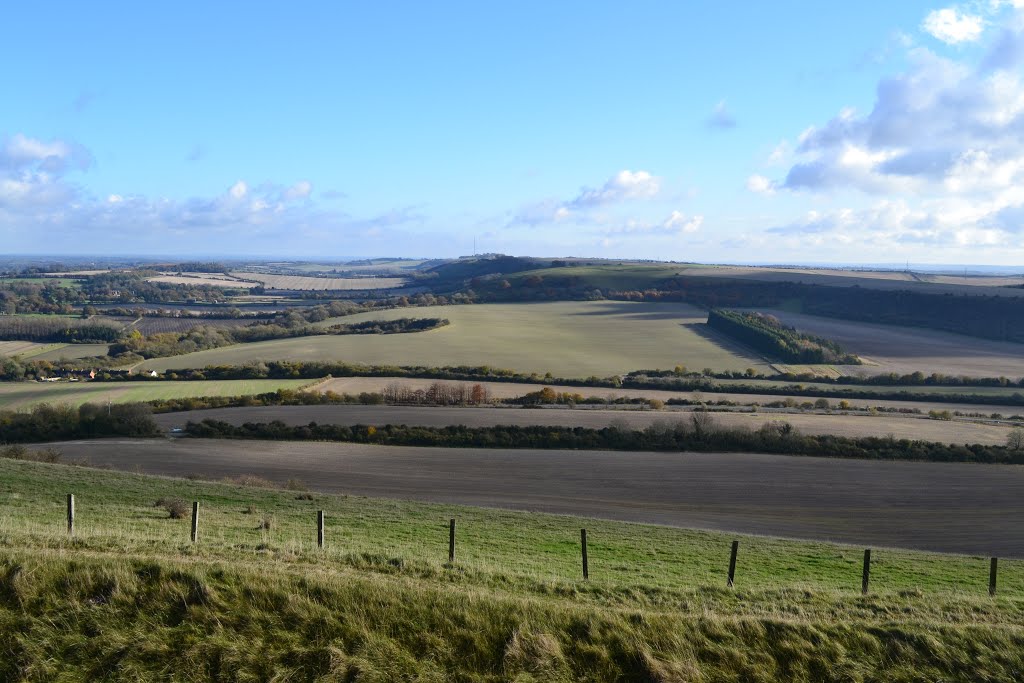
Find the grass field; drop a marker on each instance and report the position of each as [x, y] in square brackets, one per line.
[573, 339]
[21, 395]
[301, 282]
[854, 426]
[890, 348]
[130, 599]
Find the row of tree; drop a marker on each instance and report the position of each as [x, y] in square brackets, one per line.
[768, 335]
[698, 433]
[60, 422]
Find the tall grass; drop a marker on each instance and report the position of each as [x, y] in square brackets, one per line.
[130, 598]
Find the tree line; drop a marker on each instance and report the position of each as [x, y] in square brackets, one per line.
[768, 335]
[60, 422]
[699, 433]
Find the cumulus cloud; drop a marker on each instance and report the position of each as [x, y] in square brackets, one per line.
[760, 185]
[941, 150]
[30, 155]
[676, 223]
[622, 187]
[300, 190]
[721, 117]
[37, 192]
[952, 26]
[680, 222]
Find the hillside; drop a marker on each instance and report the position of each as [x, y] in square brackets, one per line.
[255, 600]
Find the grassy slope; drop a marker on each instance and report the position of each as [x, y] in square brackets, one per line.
[130, 599]
[20, 395]
[569, 339]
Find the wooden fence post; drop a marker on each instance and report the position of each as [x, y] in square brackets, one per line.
[451, 540]
[992, 569]
[866, 575]
[320, 529]
[732, 563]
[71, 514]
[195, 520]
[583, 544]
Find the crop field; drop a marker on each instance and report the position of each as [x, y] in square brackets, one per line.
[300, 282]
[208, 279]
[900, 427]
[25, 349]
[889, 348]
[22, 395]
[71, 352]
[500, 390]
[566, 338]
[850, 501]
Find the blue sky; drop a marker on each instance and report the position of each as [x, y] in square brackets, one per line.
[784, 132]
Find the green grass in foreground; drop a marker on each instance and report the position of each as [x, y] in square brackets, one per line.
[22, 395]
[129, 598]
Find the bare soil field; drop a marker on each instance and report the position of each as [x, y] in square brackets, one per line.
[502, 390]
[944, 507]
[301, 282]
[431, 416]
[572, 338]
[888, 348]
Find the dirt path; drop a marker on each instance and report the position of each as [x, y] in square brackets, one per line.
[946, 507]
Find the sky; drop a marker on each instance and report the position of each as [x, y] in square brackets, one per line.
[785, 132]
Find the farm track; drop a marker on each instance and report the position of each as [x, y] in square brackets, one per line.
[944, 507]
[430, 416]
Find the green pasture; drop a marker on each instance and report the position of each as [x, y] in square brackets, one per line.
[22, 395]
[130, 598]
[116, 511]
[567, 339]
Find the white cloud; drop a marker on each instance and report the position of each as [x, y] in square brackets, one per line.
[721, 117]
[952, 26]
[624, 186]
[36, 193]
[780, 154]
[300, 190]
[239, 190]
[942, 147]
[760, 185]
[679, 222]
